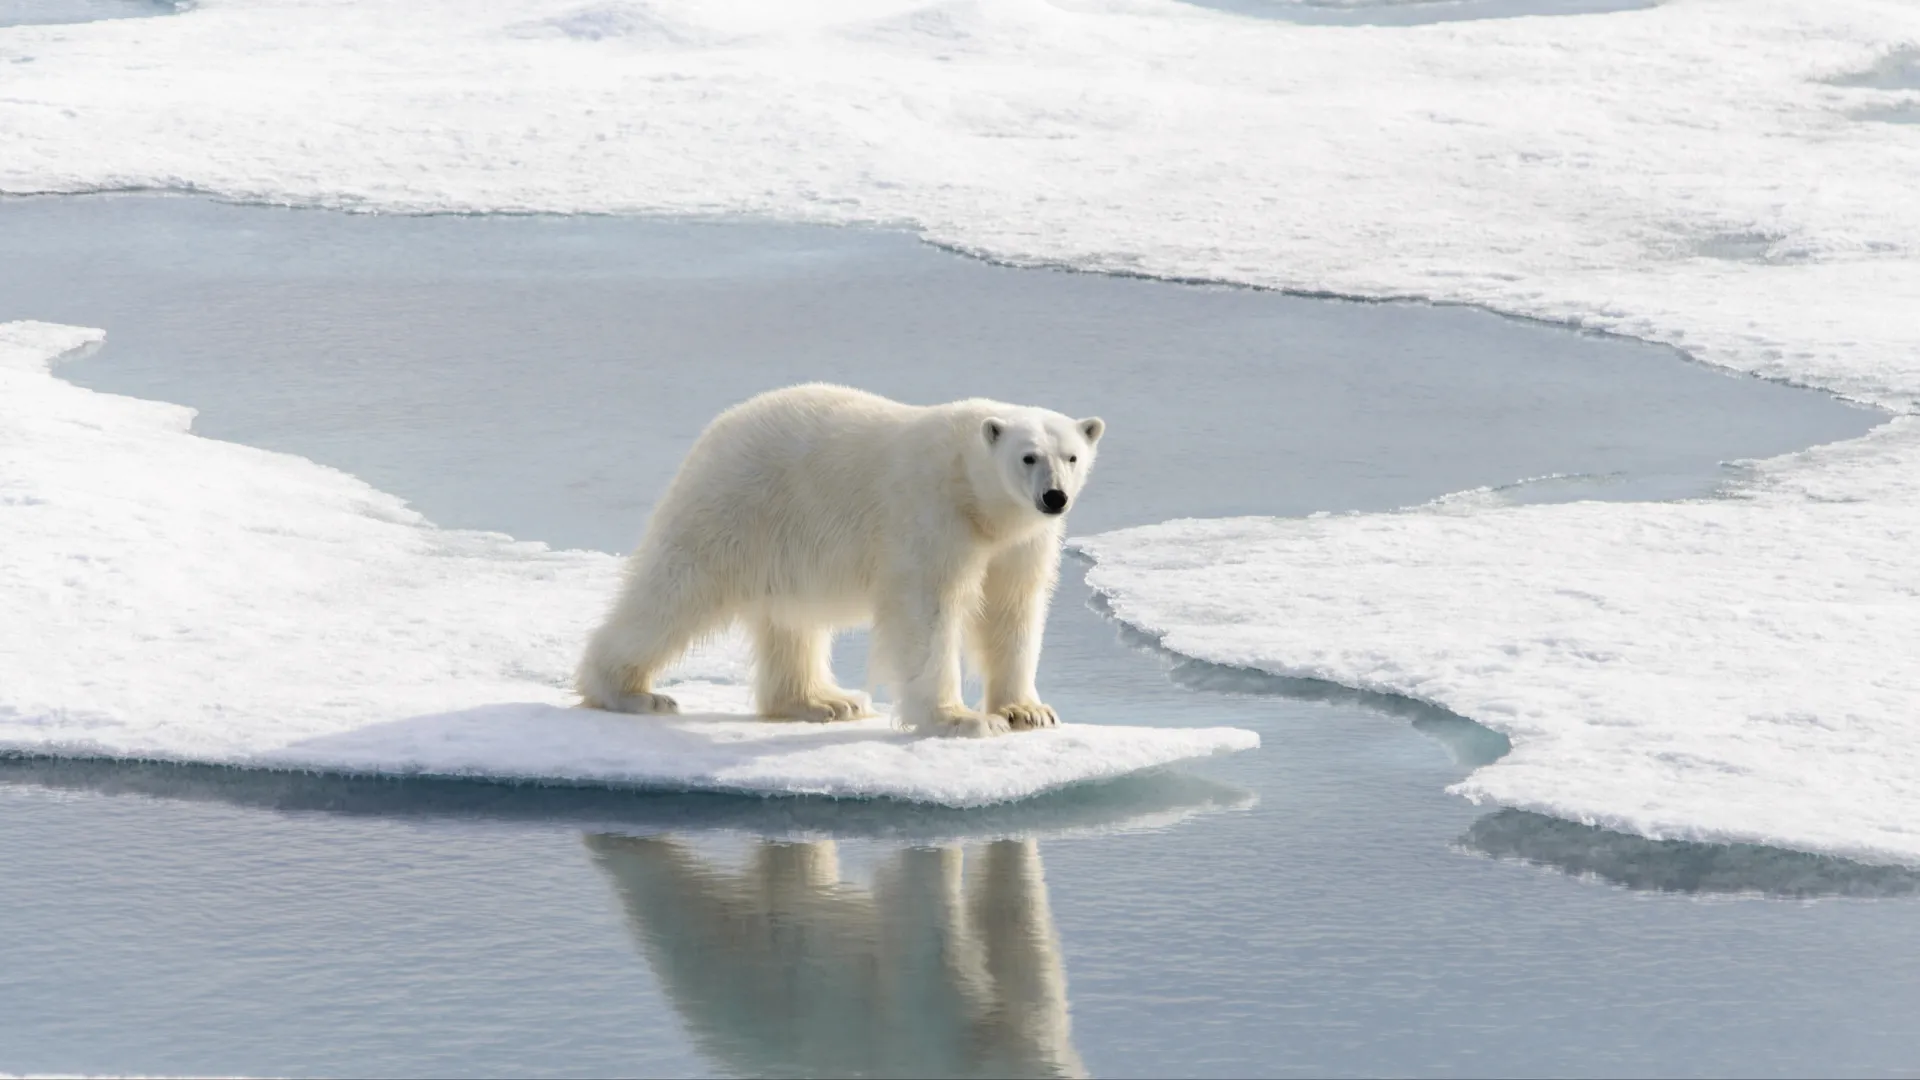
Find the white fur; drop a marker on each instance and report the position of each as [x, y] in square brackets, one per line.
[820, 507]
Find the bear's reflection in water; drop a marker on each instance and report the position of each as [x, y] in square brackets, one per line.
[948, 966]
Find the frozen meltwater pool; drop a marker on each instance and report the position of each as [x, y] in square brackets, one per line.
[1320, 906]
[1895, 75]
[1899, 69]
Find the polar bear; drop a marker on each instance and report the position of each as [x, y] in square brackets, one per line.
[818, 507]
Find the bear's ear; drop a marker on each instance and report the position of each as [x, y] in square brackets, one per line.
[991, 429]
[1092, 427]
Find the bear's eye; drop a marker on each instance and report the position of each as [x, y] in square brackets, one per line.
[1028, 459]
[1071, 458]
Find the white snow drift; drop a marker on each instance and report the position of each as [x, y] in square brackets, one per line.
[175, 598]
[1701, 173]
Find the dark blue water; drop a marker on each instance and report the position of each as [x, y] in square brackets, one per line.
[1318, 907]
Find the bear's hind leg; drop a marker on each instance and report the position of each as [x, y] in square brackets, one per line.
[793, 676]
[658, 615]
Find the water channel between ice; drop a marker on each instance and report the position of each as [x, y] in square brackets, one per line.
[542, 377]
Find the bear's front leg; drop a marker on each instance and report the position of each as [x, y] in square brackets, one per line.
[917, 629]
[1006, 631]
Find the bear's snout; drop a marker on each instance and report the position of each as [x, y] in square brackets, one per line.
[1054, 501]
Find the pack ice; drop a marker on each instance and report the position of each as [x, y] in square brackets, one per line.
[1720, 175]
[175, 598]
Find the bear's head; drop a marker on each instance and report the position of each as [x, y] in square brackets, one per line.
[1042, 458]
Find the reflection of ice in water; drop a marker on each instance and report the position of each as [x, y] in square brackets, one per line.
[1680, 866]
[948, 965]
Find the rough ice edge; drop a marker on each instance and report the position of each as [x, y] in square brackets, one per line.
[1151, 801]
[721, 751]
[174, 598]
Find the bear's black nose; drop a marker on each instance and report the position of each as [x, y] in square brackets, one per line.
[1054, 501]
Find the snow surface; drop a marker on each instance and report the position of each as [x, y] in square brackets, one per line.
[1694, 173]
[170, 597]
[1736, 669]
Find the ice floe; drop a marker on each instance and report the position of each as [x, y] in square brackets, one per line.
[1729, 669]
[175, 598]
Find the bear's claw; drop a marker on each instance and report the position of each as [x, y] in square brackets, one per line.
[1028, 717]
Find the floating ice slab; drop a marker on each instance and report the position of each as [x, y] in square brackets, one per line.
[1733, 669]
[729, 751]
[174, 598]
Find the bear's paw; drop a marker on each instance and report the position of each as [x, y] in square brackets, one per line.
[825, 705]
[643, 704]
[1027, 716]
[963, 724]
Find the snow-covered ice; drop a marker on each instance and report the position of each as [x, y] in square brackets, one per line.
[170, 597]
[1738, 669]
[1696, 173]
